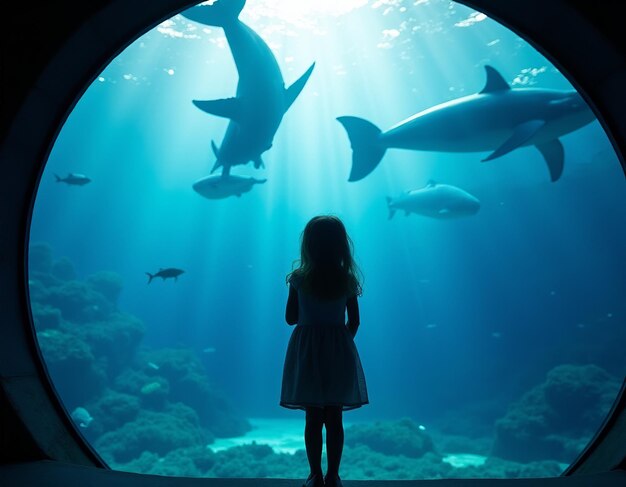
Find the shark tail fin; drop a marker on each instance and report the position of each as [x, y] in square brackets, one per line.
[392, 211]
[150, 277]
[217, 14]
[367, 151]
[294, 90]
[58, 178]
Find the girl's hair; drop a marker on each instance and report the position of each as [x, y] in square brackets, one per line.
[326, 267]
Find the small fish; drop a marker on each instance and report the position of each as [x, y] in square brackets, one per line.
[82, 417]
[421, 427]
[496, 334]
[152, 365]
[74, 179]
[209, 350]
[168, 273]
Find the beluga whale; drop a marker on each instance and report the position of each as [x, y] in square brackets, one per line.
[435, 200]
[498, 119]
[261, 100]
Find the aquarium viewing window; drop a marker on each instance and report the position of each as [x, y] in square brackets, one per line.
[469, 173]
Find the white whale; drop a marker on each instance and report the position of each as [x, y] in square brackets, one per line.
[498, 119]
[221, 186]
[435, 200]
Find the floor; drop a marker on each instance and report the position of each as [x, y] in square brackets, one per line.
[56, 474]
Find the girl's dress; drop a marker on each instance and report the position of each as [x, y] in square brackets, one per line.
[322, 365]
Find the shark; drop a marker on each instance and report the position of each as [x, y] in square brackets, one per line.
[442, 201]
[498, 119]
[224, 185]
[73, 179]
[261, 100]
[168, 273]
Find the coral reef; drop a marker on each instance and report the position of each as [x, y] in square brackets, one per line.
[549, 421]
[402, 437]
[151, 431]
[142, 402]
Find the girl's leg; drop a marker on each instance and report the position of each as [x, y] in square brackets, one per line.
[313, 439]
[334, 438]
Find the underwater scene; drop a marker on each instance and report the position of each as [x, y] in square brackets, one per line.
[483, 197]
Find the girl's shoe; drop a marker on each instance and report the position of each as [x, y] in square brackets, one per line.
[332, 481]
[314, 481]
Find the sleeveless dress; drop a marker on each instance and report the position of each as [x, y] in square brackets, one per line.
[322, 365]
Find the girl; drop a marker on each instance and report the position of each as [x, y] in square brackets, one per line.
[322, 372]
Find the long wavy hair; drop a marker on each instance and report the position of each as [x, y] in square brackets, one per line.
[326, 267]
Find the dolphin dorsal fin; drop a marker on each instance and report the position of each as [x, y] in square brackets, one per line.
[225, 107]
[294, 90]
[495, 81]
[431, 183]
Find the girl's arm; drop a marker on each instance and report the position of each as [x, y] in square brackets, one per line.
[291, 313]
[352, 305]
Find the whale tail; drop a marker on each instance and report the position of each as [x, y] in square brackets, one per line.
[217, 14]
[392, 210]
[367, 151]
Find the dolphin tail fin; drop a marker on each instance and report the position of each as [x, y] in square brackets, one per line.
[217, 14]
[392, 211]
[150, 277]
[294, 90]
[366, 148]
[554, 155]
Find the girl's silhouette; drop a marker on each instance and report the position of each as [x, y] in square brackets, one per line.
[322, 372]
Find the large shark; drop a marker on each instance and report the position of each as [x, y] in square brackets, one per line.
[497, 119]
[435, 200]
[225, 185]
[261, 101]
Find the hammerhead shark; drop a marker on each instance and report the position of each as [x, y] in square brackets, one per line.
[256, 111]
[497, 119]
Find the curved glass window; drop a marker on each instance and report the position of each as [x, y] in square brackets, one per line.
[489, 229]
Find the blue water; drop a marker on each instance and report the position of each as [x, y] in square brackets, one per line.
[460, 318]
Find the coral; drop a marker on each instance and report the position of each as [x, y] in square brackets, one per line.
[109, 284]
[402, 437]
[71, 365]
[63, 269]
[39, 258]
[138, 383]
[189, 384]
[78, 302]
[553, 420]
[157, 432]
[45, 316]
[114, 340]
[111, 410]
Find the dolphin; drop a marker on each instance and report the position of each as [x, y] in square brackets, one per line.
[73, 179]
[497, 119]
[170, 272]
[435, 200]
[225, 185]
[261, 101]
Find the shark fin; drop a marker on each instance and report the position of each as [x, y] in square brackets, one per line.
[226, 107]
[258, 162]
[495, 81]
[392, 210]
[554, 155]
[367, 151]
[217, 14]
[294, 90]
[216, 166]
[522, 133]
[216, 151]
